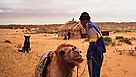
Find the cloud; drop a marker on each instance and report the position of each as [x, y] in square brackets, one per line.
[67, 8]
[4, 10]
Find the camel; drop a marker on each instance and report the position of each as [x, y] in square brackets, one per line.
[63, 61]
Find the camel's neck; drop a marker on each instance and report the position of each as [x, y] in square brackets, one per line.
[66, 68]
[59, 68]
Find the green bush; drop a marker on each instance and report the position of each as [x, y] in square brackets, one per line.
[119, 37]
[126, 40]
[106, 43]
[107, 40]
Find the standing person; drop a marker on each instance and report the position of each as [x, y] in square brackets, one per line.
[65, 35]
[96, 45]
[69, 35]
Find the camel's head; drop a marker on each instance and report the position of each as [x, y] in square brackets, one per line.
[70, 54]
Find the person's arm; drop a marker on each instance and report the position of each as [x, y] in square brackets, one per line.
[91, 35]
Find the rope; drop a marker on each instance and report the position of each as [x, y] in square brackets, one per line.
[82, 71]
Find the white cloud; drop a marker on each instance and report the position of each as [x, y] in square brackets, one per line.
[101, 9]
[4, 11]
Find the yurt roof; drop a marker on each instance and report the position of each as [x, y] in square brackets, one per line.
[71, 25]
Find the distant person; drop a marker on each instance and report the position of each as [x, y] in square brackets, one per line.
[65, 36]
[69, 35]
[96, 45]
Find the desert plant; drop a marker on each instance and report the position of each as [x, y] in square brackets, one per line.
[126, 40]
[113, 44]
[119, 37]
[107, 40]
[106, 43]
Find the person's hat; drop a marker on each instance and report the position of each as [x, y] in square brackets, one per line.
[84, 16]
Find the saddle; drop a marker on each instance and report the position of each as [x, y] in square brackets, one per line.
[41, 68]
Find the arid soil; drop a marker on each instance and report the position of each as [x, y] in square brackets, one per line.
[17, 64]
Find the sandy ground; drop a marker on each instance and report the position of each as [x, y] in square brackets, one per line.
[18, 64]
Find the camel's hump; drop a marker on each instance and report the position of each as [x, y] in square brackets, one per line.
[42, 65]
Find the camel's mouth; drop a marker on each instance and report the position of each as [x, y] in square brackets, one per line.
[79, 60]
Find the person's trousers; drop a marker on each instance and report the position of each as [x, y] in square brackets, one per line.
[94, 66]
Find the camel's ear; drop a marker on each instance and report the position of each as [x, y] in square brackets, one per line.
[61, 52]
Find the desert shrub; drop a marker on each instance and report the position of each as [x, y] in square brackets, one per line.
[113, 44]
[119, 44]
[126, 40]
[107, 40]
[133, 38]
[119, 37]
[106, 43]
[118, 31]
[23, 31]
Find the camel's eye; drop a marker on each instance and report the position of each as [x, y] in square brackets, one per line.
[80, 51]
[74, 48]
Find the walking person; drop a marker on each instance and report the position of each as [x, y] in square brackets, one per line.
[96, 45]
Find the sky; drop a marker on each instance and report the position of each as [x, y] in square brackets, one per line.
[61, 11]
